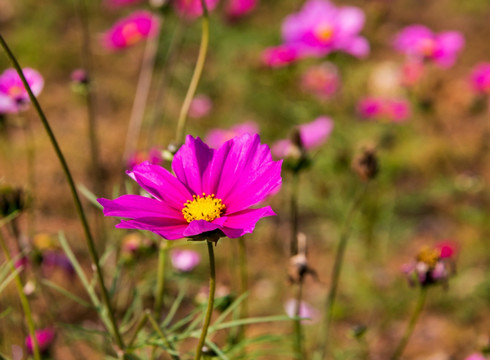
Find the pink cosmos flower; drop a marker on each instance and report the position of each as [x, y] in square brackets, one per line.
[480, 78]
[216, 137]
[131, 30]
[419, 42]
[377, 108]
[13, 95]
[192, 9]
[200, 107]
[279, 56]
[312, 135]
[45, 338]
[209, 196]
[475, 356]
[322, 80]
[154, 157]
[306, 311]
[120, 3]
[185, 260]
[320, 28]
[411, 72]
[239, 8]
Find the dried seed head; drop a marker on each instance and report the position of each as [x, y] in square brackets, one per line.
[11, 200]
[366, 163]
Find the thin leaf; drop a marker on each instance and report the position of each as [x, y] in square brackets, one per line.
[66, 293]
[89, 195]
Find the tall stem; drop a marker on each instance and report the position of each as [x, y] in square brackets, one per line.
[23, 300]
[297, 322]
[209, 310]
[78, 205]
[411, 325]
[162, 259]
[294, 214]
[337, 267]
[195, 76]
[242, 258]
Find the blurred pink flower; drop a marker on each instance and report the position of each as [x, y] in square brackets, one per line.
[239, 8]
[279, 56]
[45, 338]
[320, 28]
[131, 30]
[185, 260]
[411, 72]
[311, 135]
[447, 249]
[419, 42]
[192, 9]
[79, 76]
[200, 106]
[480, 78]
[120, 3]
[475, 356]
[153, 156]
[321, 80]
[306, 311]
[53, 260]
[13, 95]
[377, 108]
[217, 137]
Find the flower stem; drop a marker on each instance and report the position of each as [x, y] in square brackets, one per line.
[162, 259]
[294, 214]
[162, 335]
[337, 267]
[209, 310]
[297, 322]
[191, 91]
[411, 325]
[23, 300]
[78, 205]
[243, 283]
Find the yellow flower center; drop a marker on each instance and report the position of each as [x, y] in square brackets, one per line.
[131, 34]
[324, 32]
[427, 46]
[429, 256]
[15, 91]
[206, 208]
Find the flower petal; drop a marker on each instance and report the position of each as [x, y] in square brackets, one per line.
[168, 228]
[135, 206]
[243, 222]
[198, 227]
[160, 183]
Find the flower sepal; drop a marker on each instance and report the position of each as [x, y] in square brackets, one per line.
[211, 236]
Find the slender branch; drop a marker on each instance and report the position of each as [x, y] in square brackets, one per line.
[191, 91]
[209, 310]
[162, 259]
[411, 325]
[162, 335]
[298, 343]
[294, 213]
[78, 205]
[243, 282]
[23, 300]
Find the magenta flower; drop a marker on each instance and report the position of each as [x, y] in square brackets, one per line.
[310, 314]
[154, 157]
[192, 9]
[239, 8]
[475, 356]
[382, 109]
[411, 72]
[217, 137]
[279, 56]
[312, 135]
[419, 42]
[322, 80]
[45, 338]
[13, 95]
[320, 28]
[480, 78]
[200, 106]
[209, 196]
[131, 30]
[185, 260]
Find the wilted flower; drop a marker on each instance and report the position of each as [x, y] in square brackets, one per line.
[322, 80]
[310, 136]
[153, 156]
[310, 314]
[480, 78]
[185, 260]
[377, 108]
[44, 337]
[238, 8]
[419, 43]
[431, 266]
[192, 9]
[13, 95]
[210, 195]
[217, 137]
[131, 30]
[200, 106]
[320, 28]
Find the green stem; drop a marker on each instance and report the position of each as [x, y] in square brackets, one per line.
[297, 323]
[337, 267]
[162, 335]
[243, 283]
[195, 76]
[78, 205]
[209, 310]
[411, 325]
[162, 259]
[294, 213]
[23, 300]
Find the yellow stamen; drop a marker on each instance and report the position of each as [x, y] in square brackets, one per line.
[324, 32]
[429, 256]
[427, 46]
[206, 208]
[131, 33]
[15, 91]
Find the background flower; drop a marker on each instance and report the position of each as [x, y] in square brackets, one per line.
[192, 9]
[45, 338]
[216, 137]
[13, 95]
[480, 78]
[321, 80]
[185, 260]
